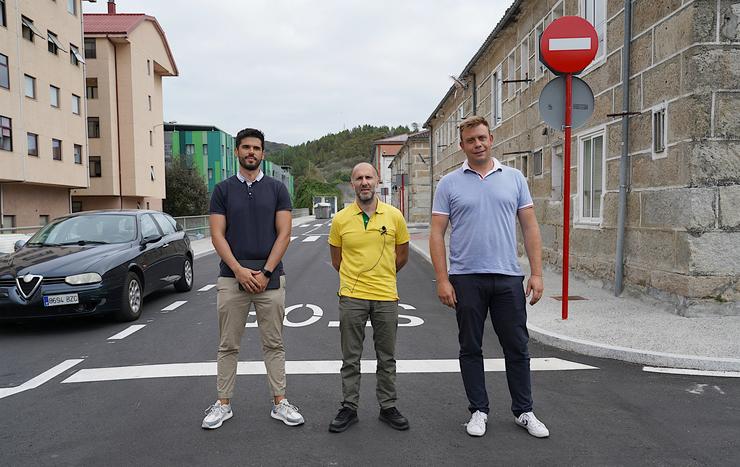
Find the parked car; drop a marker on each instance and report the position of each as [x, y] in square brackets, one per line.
[95, 262]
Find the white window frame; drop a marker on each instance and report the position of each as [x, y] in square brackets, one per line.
[29, 80]
[663, 153]
[54, 94]
[540, 69]
[595, 12]
[524, 69]
[556, 175]
[590, 136]
[497, 89]
[511, 74]
[76, 104]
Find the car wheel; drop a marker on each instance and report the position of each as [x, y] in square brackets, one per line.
[186, 279]
[132, 298]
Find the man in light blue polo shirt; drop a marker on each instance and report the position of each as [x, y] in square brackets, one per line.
[482, 201]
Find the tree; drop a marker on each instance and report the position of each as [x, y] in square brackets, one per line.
[187, 193]
[308, 188]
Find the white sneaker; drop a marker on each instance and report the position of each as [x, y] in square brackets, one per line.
[287, 413]
[477, 424]
[216, 415]
[535, 427]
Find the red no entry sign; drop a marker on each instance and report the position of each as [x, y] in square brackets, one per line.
[568, 44]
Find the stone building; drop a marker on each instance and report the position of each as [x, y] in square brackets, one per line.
[383, 152]
[682, 223]
[410, 178]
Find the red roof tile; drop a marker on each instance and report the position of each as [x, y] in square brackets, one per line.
[122, 23]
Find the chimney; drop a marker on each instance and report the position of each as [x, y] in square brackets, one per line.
[111, 7]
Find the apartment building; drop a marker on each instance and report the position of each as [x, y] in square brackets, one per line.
[383, 152]
[411, 192]
[682, 225]
[43, 149]
[127, 56]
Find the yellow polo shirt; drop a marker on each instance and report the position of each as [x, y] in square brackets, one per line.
[368, 269]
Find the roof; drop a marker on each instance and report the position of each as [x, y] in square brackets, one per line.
[190, 127]
[419, 135]
[398, 139]
[122, 24]
[507, 18]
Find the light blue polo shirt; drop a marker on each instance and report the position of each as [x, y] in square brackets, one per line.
[482, 213]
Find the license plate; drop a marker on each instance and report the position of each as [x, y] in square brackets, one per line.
[65, 299]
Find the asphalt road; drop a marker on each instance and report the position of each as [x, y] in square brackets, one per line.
[111, 405]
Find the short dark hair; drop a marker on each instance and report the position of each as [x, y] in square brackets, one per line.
[250, 133]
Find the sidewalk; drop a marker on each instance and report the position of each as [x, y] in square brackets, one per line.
[623, 328]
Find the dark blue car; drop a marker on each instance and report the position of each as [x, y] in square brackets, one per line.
[96, 262]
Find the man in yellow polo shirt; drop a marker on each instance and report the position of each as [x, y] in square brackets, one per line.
[369, 244]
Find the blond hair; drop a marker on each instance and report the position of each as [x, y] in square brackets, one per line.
[472, 122]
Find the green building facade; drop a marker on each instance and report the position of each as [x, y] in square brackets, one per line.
[209, 150]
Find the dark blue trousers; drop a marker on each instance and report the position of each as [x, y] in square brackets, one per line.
[504, 296]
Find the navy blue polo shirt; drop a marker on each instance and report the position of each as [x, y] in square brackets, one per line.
[250, 217]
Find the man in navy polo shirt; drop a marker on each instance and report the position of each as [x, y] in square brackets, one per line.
[250, 229]
[482, 201]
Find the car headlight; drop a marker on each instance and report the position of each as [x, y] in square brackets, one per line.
[87, 278]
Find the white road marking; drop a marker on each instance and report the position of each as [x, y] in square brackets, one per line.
[311, 238]
[688, 371]
[175, 305]
[292, 238]
[570, 43]
[413, 322]
[127, 332]
[33, 383]
[303, 367]
[206, 288]
[318, 225]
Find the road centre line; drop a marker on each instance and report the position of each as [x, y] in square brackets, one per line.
[206, 288]
[49, 374]
[127, 332]
[311, 238]
[174, 305]
[303, 367]
[690, 372]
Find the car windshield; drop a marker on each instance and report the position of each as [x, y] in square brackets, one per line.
[90, 229]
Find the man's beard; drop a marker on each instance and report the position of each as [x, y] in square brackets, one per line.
[366, 197]
[243, 162]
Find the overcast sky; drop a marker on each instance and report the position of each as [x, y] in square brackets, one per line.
[299, 69]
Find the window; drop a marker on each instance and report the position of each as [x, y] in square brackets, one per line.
[151, 138]
[556, 173]
[189, 149]
[496, 90]
[4, 73]
[8, 221]
[210, 174]
[93, 127]
[537, 163]
[524, 70]
[6, 134]
[594, 11]
[591, 176]
[511, 68]
[75, 104]
[43, 219]
[33, 144]
[148, 227]
[540, 69]
[205, 149]
[165, 222]
[78, 154]
[659, 131]
[90, 49]
[3, 19]
[151, 172]
[91, 88]
[149, 98]
[525, 165]
[76, 206]
[54, 96]
[30, 86]
[148, 67]
[53, 43]
[95, 167]
[72, 7]
[28, 30]
[56, 149]
[75, 57]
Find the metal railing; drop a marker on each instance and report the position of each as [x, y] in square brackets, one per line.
[196, 226]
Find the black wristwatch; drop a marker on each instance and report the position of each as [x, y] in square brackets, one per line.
[268, 274]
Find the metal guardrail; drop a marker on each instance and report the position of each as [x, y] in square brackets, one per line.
[196, 226]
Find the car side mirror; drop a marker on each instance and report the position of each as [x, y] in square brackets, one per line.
[18, 244]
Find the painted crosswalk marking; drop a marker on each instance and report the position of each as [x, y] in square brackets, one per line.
[48, 375]
[304, 367]
[127, 332]
[311, 238]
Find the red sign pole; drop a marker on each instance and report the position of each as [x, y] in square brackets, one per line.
[566, 190]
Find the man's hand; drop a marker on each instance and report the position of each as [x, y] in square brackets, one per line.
[246, 278]
[261, 279]
[535, 286]
[446, 293]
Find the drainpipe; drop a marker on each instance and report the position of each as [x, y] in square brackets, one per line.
[624, 160]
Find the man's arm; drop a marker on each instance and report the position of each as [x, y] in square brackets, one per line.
[438, 227]
[533, 246]
[283, 226]
[336, 256]
[218, 238]
[402, 255]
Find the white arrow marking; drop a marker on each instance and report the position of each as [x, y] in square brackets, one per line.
[175, 305]
[127, 332]
[307, 367]
[570, 43]
[41, 379]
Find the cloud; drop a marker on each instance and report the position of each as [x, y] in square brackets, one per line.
[300, 69]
